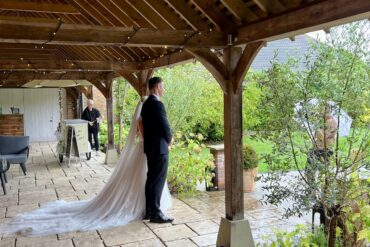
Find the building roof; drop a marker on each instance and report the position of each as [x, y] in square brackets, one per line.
[281, 50]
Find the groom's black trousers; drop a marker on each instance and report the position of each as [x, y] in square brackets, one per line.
[156, 178]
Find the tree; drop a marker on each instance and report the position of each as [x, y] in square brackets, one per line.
[337, 71]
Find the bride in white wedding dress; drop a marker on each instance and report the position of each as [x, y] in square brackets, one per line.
[121, 201]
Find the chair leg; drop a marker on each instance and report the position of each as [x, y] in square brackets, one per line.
[23, 166]
[3, 182]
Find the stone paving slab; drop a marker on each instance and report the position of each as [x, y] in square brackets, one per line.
[134, 232]
[174, 232]
[205, 240]
[181, 242]
[196, 222]
[204, 227]
[146, 243]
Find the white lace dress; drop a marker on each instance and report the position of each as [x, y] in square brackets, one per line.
[121, 201]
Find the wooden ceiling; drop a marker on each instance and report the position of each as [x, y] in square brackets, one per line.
[104, 36]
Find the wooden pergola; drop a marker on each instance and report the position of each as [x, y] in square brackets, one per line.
[99, 40]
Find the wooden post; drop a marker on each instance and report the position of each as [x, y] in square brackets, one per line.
[110, 116]
[229, 73]
[111, 155]
[144, 76]
[233, 130]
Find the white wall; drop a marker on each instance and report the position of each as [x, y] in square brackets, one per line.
[40, 108]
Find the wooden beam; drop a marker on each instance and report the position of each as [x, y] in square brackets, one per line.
[55, 8]
[22, 56]
[15, 76]
[30, 19]
[49, 65]
[268, 6]
[131, 78]
[76, 34]
[167, 60]
[244, 62]
[85, 90]
[213, 64]
[100, 85]
[240, 10]
[313, 17]
[16, 50]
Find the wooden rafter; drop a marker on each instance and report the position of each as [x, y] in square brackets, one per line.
[214, 14]
[240, 10]
[313, 17]
[37, 7]
[73, 34]
[267, 6]
[166, 14]
[188, 14]
[149, 14]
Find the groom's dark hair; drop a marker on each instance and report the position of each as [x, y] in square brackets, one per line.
[154, 81]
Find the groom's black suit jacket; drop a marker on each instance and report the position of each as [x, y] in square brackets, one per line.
[157, 132]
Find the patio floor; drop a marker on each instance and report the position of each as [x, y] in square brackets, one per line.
[196, 218]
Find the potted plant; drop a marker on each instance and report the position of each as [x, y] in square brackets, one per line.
[250, 163]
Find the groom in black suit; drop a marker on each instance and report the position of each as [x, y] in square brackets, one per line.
[157, 138]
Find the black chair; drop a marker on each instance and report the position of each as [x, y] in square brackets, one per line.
[15, 150]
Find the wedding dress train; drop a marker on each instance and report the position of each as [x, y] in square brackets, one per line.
[120, 201]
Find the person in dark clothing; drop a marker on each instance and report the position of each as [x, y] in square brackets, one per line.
[157, 135]
[93, 116]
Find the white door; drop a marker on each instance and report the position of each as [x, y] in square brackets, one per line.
[41, 113]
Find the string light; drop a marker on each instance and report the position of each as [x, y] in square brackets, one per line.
[52, 36]
[136, 29]
[180, 48]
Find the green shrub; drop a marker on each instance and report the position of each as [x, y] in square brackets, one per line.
[103, 136]
[190, 163]
[301, 236]
[250, 157]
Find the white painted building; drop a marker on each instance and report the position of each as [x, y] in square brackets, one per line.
[40, 108]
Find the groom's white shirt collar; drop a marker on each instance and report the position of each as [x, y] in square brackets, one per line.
[156, 96]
